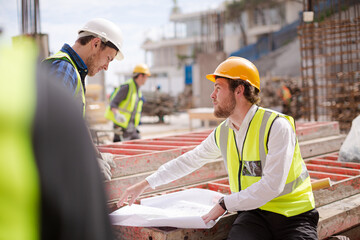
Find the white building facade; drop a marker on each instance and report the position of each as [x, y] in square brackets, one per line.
[174, 60]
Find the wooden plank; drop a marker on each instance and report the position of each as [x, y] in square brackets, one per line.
[204, 114]
[139, 146]
[340, 190]
[128, 165]
[320, 161]
[182, 139]
[331, 169]
[209, 171]
[116, 151]
[332, 176]
[164, 143]
[321, 146]
[337, 191]
[334, 218]
[218, 232]
[132, 169]
[312, 130]
[339, 216]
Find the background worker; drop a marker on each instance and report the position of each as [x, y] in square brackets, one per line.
[50, 183]
[126, 104]
[270, 185]
[99, 42]
[285, 94]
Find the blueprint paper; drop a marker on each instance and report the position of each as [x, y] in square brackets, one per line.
[181, 209]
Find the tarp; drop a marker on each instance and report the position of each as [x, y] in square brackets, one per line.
[181, 209]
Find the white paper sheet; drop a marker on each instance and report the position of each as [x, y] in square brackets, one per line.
[181, 209]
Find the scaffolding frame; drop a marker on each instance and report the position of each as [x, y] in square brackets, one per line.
[330, 61]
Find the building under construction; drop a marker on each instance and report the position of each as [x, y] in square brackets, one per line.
[330, 61]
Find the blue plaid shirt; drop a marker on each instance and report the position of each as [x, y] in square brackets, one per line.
[66, 72]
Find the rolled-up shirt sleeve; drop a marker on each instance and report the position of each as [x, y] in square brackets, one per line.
[190, 161]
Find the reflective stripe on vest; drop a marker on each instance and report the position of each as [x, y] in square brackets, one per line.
[252, 170]
[127, 106]
[19, 182]
[79, 86]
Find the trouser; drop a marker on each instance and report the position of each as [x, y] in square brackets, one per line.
[264, 225]
[126, 134]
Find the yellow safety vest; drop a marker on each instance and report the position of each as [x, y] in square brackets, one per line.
[127, 106]
[245, 170]
[79, 87]
[19, 182]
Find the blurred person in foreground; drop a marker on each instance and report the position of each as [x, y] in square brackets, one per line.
[50, 183]
[99, 41]
[126, 105]
[270, 185]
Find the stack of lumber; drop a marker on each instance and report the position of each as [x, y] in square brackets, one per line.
[319, 144]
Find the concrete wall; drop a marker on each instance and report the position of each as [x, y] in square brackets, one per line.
[203, 88]
[171, 79]
[292, 10]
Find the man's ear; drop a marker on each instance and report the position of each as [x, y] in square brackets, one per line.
[95, 43]
[239, 89]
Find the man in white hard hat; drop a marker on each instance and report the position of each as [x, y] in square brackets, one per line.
[126, 104]
[99, 42]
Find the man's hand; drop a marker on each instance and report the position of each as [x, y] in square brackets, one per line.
[214, 213]
[132, 193]
[109, 158]
[106, 162]
[118, 116]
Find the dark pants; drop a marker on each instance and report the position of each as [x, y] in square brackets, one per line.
[263, 225]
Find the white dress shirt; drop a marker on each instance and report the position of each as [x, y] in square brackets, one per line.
[281, 146]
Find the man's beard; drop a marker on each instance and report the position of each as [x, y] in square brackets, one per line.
[226, 108]
[90, 63]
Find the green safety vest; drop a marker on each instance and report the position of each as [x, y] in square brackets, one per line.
[79, 87]
[19, 182]
[127, 106]
[245, 170]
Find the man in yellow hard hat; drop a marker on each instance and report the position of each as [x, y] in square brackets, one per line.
[270, 185]
[126, 104]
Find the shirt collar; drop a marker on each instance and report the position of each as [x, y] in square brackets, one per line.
[249, 115]
[136, 85]
[81, 66]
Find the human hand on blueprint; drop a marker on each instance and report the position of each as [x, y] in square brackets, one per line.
[132, 193]
[214, 213]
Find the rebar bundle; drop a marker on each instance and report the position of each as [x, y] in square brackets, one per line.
[330, 61]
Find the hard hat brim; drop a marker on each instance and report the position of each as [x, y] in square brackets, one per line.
[211, 77]
[119, 56]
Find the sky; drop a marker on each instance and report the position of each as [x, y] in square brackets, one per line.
[136, 18]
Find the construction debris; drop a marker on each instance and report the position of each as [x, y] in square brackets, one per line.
[158, 104]
[273, 95]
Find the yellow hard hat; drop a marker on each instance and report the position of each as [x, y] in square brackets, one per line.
[237, 68]
[142, 68]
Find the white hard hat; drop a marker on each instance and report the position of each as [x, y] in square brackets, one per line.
[105, 30]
